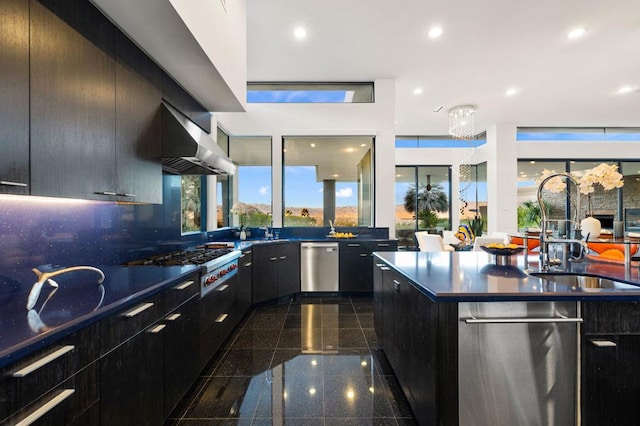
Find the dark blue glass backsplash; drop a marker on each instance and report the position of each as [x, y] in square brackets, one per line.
[38, 231]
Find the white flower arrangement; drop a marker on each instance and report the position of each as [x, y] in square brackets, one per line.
[604, 174]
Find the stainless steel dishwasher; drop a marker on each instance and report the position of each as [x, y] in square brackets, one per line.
[319, 267]
[518, 363]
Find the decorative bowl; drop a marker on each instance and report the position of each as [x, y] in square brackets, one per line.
[506, 251]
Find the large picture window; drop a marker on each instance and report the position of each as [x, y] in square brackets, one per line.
[250, 187]
[422, 202]
[328, 179]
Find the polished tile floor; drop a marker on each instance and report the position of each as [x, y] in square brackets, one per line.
[306, 361]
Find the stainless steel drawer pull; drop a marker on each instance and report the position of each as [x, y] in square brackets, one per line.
[157, 329]
[383, 245]
[363, 255]
[283, 257]
[520, 320]
[48, 406]
[43, 361]
[132, 313]
[9, 183]
[353, 245]
[248, 252]
[396, 285]
[604, 343]
[385, 268]
[222, 317]
[184, 285]
[223, 287]
[105, 193]
[273, 258]
[379, 264]
[248, 264]
[242, 255]
[173, 317]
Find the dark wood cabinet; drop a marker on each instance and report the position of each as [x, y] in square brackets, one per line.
[150, 354]
[132, 380]
[288, 268]
[218, 317]
[137, 105]
[72, 78]
[181, 352]
[276, 270]
[419, 339]
[610, 357]
[59, 381]
[245, 282]
[14, 96]
[356, 263]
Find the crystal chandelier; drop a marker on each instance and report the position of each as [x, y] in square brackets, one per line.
[462, 121]
[462, 126]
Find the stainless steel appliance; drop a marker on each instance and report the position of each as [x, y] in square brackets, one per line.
[318, 267]
[217, 261]
[518, 363]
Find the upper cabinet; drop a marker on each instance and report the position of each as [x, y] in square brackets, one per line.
[14, 96]
[138, 97]
[72, 101]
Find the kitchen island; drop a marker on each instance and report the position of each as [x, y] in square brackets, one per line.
[472, 342]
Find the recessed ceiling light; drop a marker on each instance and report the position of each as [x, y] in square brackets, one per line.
[398, 175]
[435, 32]
[626, 89]
[511, 91]
[300, 32]
[576, 33]
[336, 175]
[313, 145]
[363, 145]
[417, 90]
[349, 149]
[532, 162]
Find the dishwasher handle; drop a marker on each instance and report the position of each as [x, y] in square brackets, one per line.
[524, 320]
[325, 246]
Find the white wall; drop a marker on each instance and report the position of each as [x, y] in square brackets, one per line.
[222, 35]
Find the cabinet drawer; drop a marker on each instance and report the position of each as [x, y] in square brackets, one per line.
[28, 379]
[62, 404]
[611, 317]
[127, 323]
[180, 292]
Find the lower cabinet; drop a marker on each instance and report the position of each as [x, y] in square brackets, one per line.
[610, 363]
[419, 339]
[245, 282]
[53, 386]
[180, 352]
[132, 380]
[150, 356]
[356, 261]
[276, 270]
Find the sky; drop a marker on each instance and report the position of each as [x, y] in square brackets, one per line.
[297, 96]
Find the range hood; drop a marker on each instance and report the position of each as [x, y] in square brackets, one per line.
[189, 150]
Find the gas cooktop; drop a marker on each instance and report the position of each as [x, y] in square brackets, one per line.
[197, 256]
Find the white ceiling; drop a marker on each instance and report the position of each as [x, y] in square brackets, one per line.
[487, 47]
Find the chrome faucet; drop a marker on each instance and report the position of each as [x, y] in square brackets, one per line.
[46, 277]
[546, 262]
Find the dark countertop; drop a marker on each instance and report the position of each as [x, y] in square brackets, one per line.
[243, 244]
[473, 276]
[76, 304]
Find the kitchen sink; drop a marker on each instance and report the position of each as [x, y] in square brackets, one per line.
[585, 282]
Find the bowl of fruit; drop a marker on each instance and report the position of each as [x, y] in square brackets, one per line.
[342, 235]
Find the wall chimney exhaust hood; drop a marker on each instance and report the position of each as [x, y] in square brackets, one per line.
[189, 150]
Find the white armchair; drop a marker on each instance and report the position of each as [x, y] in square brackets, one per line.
[431, 242]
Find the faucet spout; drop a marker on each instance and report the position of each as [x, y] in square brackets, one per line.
[545, 261]
[46, 277]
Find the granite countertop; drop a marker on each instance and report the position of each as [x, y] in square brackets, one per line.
[78, 302]
[474, 276]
